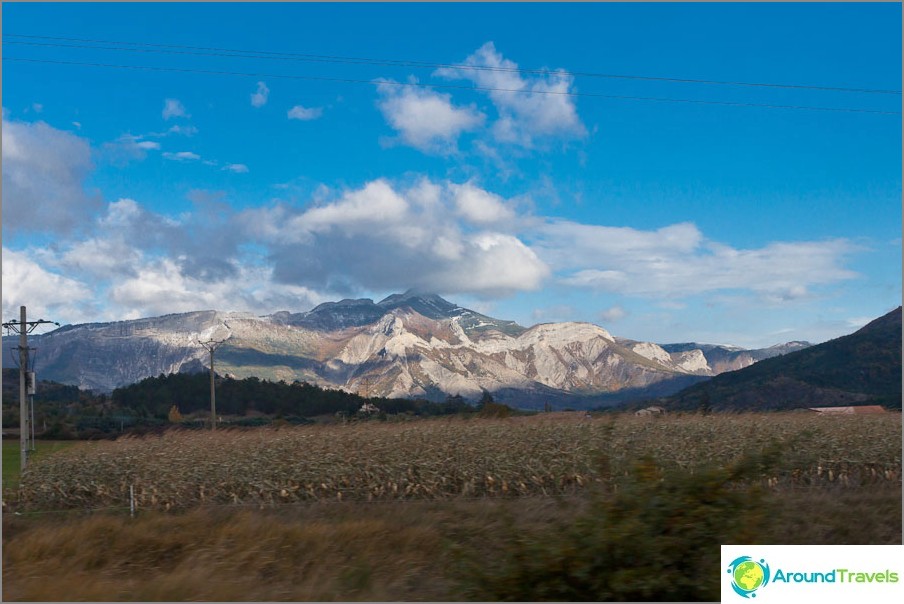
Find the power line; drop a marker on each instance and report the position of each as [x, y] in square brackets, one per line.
[451, 86]
[295, 56]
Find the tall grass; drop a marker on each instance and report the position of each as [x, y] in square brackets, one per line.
[441, 459]
[623, 509]
[12, 456]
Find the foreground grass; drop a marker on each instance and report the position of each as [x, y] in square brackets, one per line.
[394, 551]
[12, 456]
[614, 509]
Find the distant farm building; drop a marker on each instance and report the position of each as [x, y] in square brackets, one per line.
[857, 410]
[368, 408]
[650, 411]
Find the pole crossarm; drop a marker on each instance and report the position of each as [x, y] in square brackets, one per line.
[23, 327]
[211, 347]
[29, 326]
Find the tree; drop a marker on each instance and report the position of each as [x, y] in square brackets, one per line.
[174, 415]
[485, 399]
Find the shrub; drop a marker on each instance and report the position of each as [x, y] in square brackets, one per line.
[491, 409]
[654, 536]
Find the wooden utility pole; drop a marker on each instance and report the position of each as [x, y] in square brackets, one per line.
[211, 346]
[23, 410]
[23, 328]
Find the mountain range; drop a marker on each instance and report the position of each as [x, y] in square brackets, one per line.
[407, 345]
[857, 369]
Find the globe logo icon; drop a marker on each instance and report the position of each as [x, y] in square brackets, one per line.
[748, 575]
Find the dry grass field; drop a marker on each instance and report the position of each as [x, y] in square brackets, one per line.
[439, 509]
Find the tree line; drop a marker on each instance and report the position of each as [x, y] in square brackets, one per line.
[65, 411]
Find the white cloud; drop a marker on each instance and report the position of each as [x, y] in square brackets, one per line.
[529, 108]
[259, 98]
[441, 236]
[161, 286]
[120, 213]
[425, 119]
[303, 113]
[612, 314]
[127, 148]
[492, 264]
[181, 156]
[45, 294]
[677, 261]
[376, 203]
[173, 108]
[385, 237]
[101, 257]
[183, 130]
[236, 168]
[480, 206]
[44, 171]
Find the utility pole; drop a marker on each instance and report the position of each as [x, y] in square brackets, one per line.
[211, 347]
[23, 328]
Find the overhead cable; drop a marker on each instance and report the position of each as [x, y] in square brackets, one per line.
[295, 56]
[380, 82]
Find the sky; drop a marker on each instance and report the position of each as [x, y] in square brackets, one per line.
[718, 173]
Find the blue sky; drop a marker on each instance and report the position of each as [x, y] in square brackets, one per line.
[480, 151]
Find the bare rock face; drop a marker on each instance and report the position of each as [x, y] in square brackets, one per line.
[407, 345]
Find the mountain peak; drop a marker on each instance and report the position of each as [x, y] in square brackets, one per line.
[427, 304]
[413, 295]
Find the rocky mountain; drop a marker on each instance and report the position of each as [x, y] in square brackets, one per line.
[721, 358]
[408, 345]
[861, 368]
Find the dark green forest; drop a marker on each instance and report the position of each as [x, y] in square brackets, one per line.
[63, 411]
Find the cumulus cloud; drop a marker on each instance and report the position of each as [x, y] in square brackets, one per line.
[181, 156]
[677, 261]
[612, 314]
[530, 108]
[425, 119]
[47, 294]
[126, 148]
[101, 256]
[44, 171]
[236, 168]
[479, 206]
[385, 237]
[259, 98]
[304, 113]
[161, 286]
[432, 235]
[140, 263]
[182, 130]
[173, 108]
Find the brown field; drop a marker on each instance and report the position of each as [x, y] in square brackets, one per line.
[382, 511]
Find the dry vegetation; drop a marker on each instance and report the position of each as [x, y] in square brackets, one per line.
[441, 459]
[446, 509]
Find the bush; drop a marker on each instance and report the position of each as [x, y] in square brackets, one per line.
[59, 431]
[491, 409]
[655, 536]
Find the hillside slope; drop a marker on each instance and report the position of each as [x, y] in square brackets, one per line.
[861, 368]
